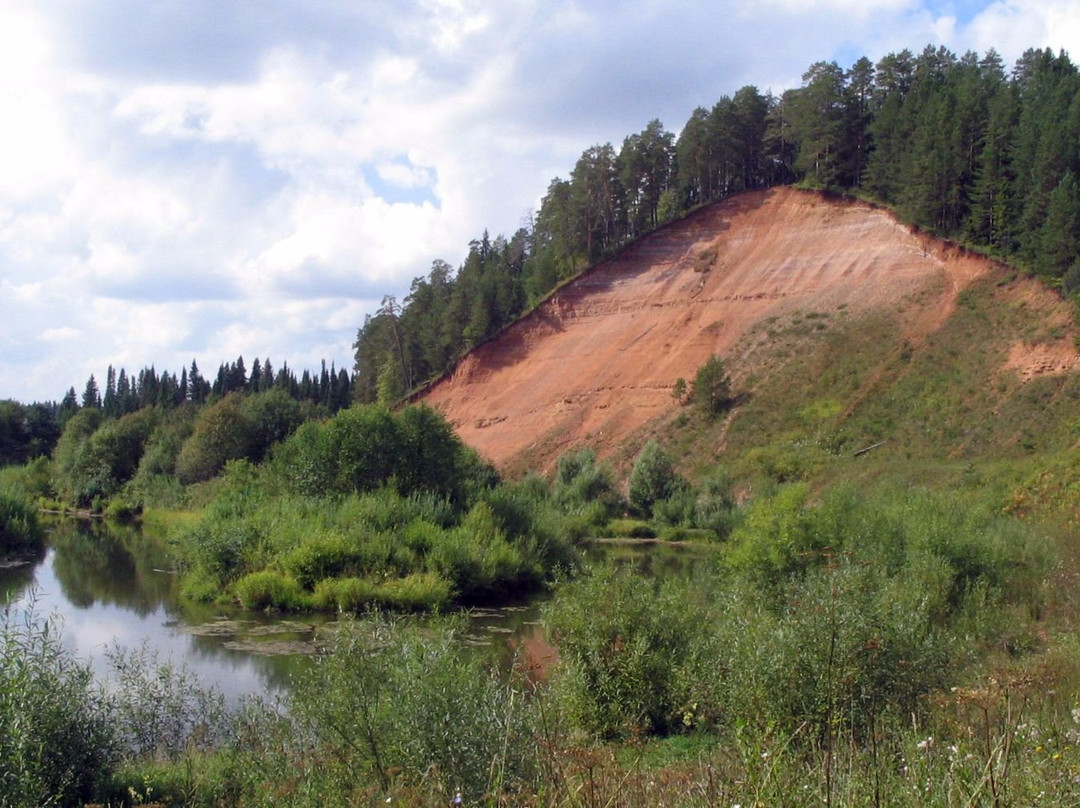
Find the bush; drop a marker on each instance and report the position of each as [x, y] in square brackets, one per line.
[623, 641]
[162, 710]
[352, 595]
[419, 592]
[20, 532]
[583, 484]
[269, 589]
[390, 703]
[711, 389]
[652, 479]
[56, 746]
[221, 433]
[365, 448]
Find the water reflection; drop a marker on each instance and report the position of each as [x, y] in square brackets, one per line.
[115, 586]
[655, 559]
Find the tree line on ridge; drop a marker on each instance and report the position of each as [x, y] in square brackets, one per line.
[954, 144]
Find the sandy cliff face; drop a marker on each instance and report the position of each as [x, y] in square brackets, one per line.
[599, 360]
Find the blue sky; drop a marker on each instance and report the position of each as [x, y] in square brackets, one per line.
[192, 179]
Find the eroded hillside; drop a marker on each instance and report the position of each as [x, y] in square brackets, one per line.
[598, 361]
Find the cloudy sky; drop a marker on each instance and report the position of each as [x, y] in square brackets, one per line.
[204, 179]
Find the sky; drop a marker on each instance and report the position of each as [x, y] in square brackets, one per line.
[206, 179]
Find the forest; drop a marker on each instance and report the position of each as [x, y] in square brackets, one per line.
[892, 629]
[956, 145]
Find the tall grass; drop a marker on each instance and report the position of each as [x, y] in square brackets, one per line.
[55, 742]
[20, 532]
[416, 550]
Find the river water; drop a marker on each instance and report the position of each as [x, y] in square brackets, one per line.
[112, 586]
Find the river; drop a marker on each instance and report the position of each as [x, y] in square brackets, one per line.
[111, 585]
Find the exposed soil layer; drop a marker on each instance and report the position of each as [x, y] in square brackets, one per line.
[599, 360]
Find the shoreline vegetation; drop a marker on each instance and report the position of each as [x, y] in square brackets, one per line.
[845, 644]
[896, 629]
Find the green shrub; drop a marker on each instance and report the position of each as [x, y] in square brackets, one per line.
[20, 532]
[56, 744]
[365, 448]
[652, 479]
[324, 556]
[351, 595]
[419, 592]
[221, 549]
[121, 510]
[390, 704]
[848, 645]
[270, 589]
[711, 389]
[220, 434]
[623, 641]
[583, 484]
[162, 710]
[631, 529]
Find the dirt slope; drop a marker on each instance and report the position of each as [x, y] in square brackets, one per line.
[598, 361]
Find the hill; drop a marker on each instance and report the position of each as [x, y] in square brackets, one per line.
[758, 279]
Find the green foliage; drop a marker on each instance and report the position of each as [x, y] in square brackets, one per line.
[714, 505]
[582, 485]
[623, 641]
[829, 616]
[55, 741]
[652, 479]
[32, 482]
[158, 710]
[220, 434]
[389, 702]
[366, 447]
[711, 389]
[416, 592]
[20, 532]
[269, 589]
[412, 552]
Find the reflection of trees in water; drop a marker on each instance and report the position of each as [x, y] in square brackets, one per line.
[276, 670]
[98, 562]
[657, 560]
[15, 579]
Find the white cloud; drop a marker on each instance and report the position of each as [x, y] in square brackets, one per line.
[62, 334]
[35, 152]
[1013, 26]
[217, 182]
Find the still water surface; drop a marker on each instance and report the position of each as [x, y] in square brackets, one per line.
[114, 586]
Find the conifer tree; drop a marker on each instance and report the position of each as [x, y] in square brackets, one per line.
[110, 404]
[91, 398]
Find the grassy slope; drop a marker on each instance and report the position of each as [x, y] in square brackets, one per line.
[948, 410]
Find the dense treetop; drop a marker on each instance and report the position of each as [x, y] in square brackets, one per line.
[957, 145]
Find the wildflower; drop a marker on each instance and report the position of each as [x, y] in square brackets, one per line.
[1076, 715]
[926, 743]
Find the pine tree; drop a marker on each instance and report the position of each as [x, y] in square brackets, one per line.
[69, 405]
[1060, 233]
[91, 398]
[125, 399]
[110, 405]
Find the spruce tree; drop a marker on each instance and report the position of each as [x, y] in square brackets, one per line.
[91, 398]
